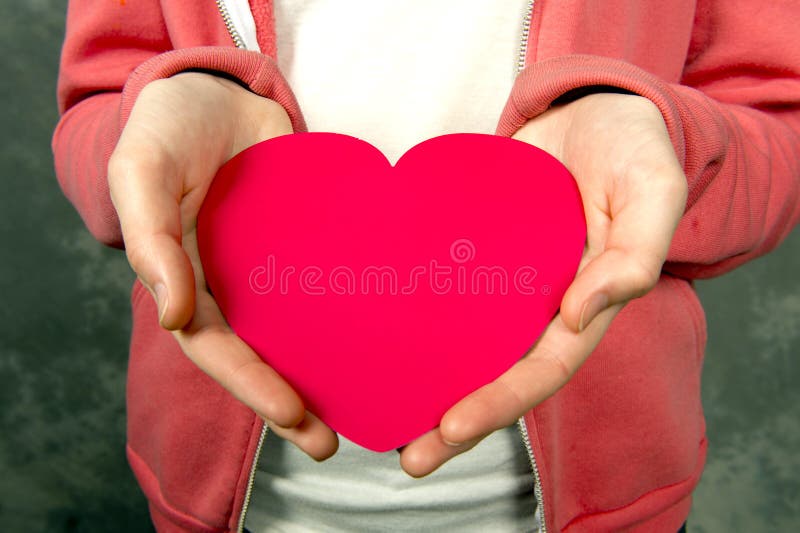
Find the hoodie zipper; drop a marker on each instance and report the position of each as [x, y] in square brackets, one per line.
[229, 25]
[537, 481]
[251, 480]
[523, 429]
[526, 29]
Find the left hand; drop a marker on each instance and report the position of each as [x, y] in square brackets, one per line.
[634, 193]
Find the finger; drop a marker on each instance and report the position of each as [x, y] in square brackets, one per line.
[220, 353]
[311, 435]
[546, 368]
[643, 222]
[146, 196]
[430, 451]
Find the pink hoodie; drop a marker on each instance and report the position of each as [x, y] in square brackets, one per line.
[623, 444]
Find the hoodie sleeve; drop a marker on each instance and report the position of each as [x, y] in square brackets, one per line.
[734, 121]
[109, 55]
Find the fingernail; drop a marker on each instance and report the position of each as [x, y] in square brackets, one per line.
[162, 300]
[594, 304]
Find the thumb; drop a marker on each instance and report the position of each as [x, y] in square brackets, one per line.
[613, 277]
[634, 251]
[146, 194]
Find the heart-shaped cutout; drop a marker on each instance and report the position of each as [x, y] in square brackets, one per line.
[384, 294]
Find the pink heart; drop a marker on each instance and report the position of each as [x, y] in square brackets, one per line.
[384, 294]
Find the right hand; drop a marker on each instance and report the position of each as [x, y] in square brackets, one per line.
[180, 132]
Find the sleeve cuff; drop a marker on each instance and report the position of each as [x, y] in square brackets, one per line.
[544, 83]
[257, 72]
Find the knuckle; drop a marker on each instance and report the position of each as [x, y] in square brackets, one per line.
[138, 255]
[143, 251]
[678, 189]
[514, 398]
[240, 376]
[642, 277]
[119, 164]
[551, 359]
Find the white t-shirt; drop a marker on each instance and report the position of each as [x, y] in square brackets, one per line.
[395, 74]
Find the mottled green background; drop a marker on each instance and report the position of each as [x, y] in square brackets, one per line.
[64, 325]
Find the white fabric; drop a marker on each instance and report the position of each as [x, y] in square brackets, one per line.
[242, 19]
[394, 74]
[489, 488]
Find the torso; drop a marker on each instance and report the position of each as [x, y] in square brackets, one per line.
[395, 74]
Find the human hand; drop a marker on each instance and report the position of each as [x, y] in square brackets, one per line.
[634, 193]
[180, 132]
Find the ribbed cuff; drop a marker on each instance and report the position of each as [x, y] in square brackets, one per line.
[257, 72]
[541, 84]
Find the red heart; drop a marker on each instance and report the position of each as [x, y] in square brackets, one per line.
[384, 294]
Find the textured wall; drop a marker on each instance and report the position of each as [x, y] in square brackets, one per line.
[64, 324]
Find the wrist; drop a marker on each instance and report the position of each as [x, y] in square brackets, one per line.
[248, 116]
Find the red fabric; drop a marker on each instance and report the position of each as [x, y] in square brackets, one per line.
[623, 444]
[624, 440]
[264, 17]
